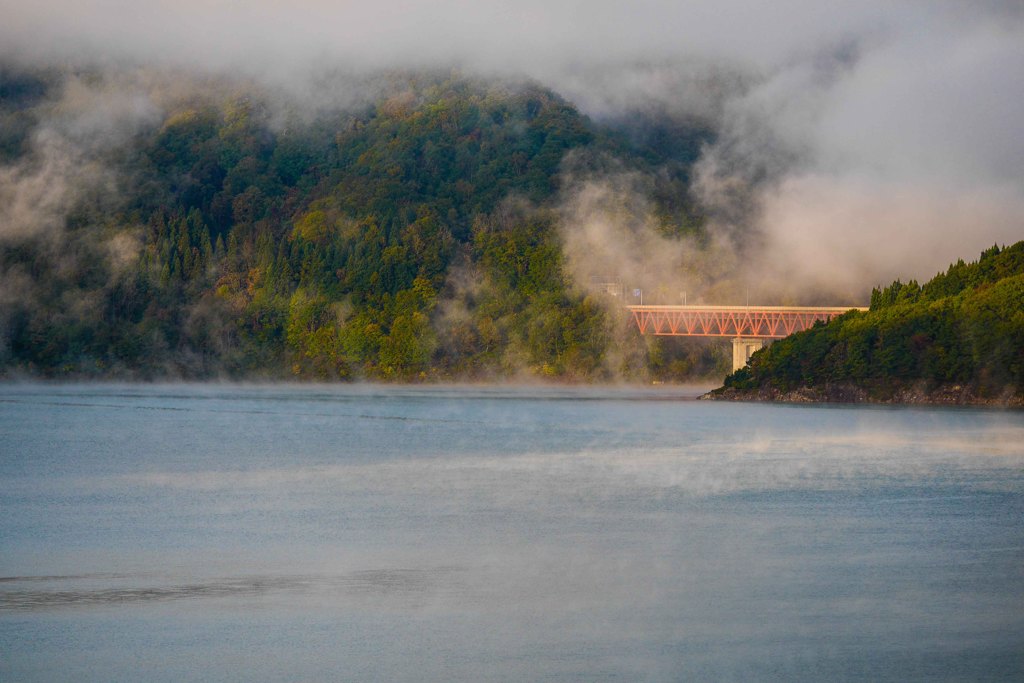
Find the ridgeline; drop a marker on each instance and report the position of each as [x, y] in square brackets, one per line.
[958, 339]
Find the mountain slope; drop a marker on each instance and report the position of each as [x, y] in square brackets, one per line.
[411, 236]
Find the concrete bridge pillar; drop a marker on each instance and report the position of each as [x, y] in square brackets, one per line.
[742, 349]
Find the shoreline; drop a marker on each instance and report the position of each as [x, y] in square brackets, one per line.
[952, 395]
[537, 390]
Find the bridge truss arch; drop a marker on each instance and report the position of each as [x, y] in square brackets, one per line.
[754, 322]
[750, 327]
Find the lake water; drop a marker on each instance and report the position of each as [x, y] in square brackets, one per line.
[233, 533]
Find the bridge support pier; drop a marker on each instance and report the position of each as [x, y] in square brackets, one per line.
[742, 349]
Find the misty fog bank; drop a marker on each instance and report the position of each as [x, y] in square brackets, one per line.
[800, 153]
[837, 125]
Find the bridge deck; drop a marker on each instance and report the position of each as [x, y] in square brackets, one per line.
[757, 322]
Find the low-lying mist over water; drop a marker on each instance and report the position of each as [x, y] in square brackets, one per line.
[211, 532]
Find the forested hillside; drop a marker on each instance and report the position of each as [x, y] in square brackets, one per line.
[959, 338]
[412, 236]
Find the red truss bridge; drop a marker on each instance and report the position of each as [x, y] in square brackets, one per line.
[749, 326]
[756, 322]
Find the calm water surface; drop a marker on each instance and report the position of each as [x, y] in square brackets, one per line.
[231, 533]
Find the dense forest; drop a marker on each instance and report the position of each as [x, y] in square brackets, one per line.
[959, 338]
[410, 236]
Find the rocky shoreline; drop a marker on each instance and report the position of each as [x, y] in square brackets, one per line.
[949, 395]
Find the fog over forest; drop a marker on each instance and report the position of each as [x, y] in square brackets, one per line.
[824, 148]
[877, 140]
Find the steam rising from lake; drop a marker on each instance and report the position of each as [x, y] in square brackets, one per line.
[502, 532]
[701, 469]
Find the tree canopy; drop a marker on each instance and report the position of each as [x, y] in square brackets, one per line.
[962, 330]
[408, 238]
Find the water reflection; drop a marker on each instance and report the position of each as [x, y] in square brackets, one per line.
[21, 593]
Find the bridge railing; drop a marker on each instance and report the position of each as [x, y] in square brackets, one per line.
[758, 322]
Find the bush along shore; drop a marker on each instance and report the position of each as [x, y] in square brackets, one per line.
[947, 395]
[956, 340]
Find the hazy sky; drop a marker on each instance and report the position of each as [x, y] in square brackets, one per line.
[525, 34]
[892, 132]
